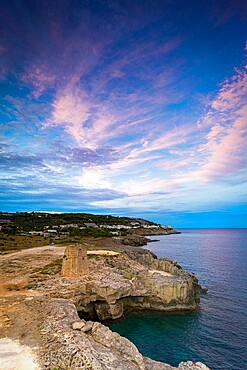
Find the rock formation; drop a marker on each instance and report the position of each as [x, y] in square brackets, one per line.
[135, 240]
[118, 283]
[75, 262]
[44, 314]
[69, 343]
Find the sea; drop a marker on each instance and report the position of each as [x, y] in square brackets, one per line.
[215, 334]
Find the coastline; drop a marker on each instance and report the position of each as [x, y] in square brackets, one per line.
[53, 302]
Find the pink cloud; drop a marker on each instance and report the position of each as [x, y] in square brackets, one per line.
[39, 78]
[170, 139]
[225, 150]
[88, 123]
[70, 108]
[71, 111]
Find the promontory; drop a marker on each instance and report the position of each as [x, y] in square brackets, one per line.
[55, 298]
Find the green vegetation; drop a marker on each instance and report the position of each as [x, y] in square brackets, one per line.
[38, 221]
[24, 230]
[29, 286]
[18, 242]
[52, 268]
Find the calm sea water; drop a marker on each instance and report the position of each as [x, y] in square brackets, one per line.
[217, 333]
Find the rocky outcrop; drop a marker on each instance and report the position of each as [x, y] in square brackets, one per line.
[101, 348]
[188, 365]
[67, 344]
[154, 231]
[44, 317]
[118, 283]
[135, 240]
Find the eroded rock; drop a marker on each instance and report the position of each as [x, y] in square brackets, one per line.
[87, 327]
[78, 325]
[59, 339]
[127, 284]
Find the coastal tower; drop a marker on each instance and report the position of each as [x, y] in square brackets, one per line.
[75, 263]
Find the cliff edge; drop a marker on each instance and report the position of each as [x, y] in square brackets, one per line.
[124, 281]
[39, 307]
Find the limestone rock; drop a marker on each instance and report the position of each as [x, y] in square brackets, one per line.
[107, 311]
[126, 284]
[190, 366]
[115, 283]
[135, 240]
[78, 325]
[88, 326]
[57, 345]
[156, 365]
[116, 343]
[75, 262]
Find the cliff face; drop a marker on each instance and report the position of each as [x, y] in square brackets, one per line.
[131, 285]
[38, 307]
[68, 343]
[117, 283]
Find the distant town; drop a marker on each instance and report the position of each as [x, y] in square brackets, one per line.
[69, 224]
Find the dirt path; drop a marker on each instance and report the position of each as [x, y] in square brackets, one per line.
[103, 252]
[56, 251]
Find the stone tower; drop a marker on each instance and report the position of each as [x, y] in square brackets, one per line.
[75, 263]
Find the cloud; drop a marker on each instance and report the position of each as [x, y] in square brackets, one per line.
[225, 149]
[30, 196]
[39, 78]
[71, 111]
[63, 158]
[95, 177]
[88, 123]
[13, 161]
[75, 58]
[60, 43]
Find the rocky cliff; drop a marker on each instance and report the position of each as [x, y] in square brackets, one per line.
[39, 308]
[60, 340]
[125, 281]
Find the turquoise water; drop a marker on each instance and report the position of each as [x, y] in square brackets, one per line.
[217, 333]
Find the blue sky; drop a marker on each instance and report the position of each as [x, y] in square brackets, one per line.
[125, 107]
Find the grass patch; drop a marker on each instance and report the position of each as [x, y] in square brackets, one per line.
[52, 268]
[29, 286]
[19, 242]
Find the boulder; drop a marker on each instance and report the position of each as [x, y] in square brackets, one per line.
[78, 325]
[88, 326]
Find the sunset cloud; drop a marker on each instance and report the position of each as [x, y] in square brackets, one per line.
[226, 141]
[71, 112]
[39, 79]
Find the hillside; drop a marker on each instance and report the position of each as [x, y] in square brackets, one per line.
[23, 230]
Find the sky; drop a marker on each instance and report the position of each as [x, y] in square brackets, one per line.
[131, 107]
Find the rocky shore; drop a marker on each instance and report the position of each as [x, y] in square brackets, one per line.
[39, 307]
[156, 231]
